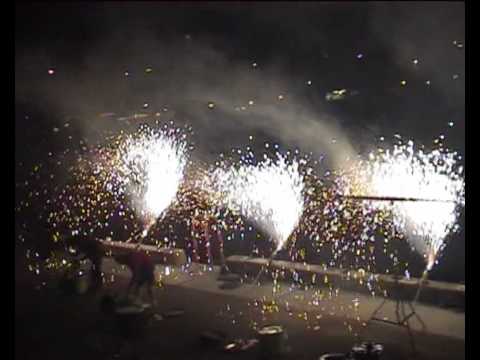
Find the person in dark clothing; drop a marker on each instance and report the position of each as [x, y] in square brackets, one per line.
[210, 235]
[92, 250]
[143, 272]
[219, 242]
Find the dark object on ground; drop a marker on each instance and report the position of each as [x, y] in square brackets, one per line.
[240, 345]
[224, 270]
[232, 347]
[272, 341]
[248, 344]
[82, 283]
[67, 285]
[229, 285]
[74, 284]
[333, 356]
[228, 276]
[107, 305]
[131, 322]
[212, 338]
[157, 317]
[173, 313]
[366, 351]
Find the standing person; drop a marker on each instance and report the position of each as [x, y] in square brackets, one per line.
[225, 273]
[143, 273]
[200, 239]
[214, 242]
[194, 237]
[206, 240]
[210, 238]
[220, 249]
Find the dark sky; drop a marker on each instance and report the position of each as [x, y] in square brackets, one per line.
[201, 52]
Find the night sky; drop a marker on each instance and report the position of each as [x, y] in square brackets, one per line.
[403, 65]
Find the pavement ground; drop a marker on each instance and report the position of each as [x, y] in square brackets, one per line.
[55, 326]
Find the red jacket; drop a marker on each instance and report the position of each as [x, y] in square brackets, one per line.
[140, 262]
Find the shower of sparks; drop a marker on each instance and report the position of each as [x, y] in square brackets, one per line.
[144, 183]
[149, 167]
[407, 172]
[269, 193]
[118, 188]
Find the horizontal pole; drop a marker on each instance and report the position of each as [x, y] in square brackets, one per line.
[392, 198]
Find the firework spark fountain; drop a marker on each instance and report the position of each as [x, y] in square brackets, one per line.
[269, 193]
[406, 172]
[149, 167]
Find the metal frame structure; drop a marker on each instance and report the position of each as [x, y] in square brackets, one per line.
[402, 318]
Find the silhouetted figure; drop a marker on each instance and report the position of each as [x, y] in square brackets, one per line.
[209, 234]
[92, 250]
[143, 273]
[219, 237]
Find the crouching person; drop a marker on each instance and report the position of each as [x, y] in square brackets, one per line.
[143, 274]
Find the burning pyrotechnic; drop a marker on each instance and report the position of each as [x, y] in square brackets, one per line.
[269, 193]
[414, 174]
[149, 167]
